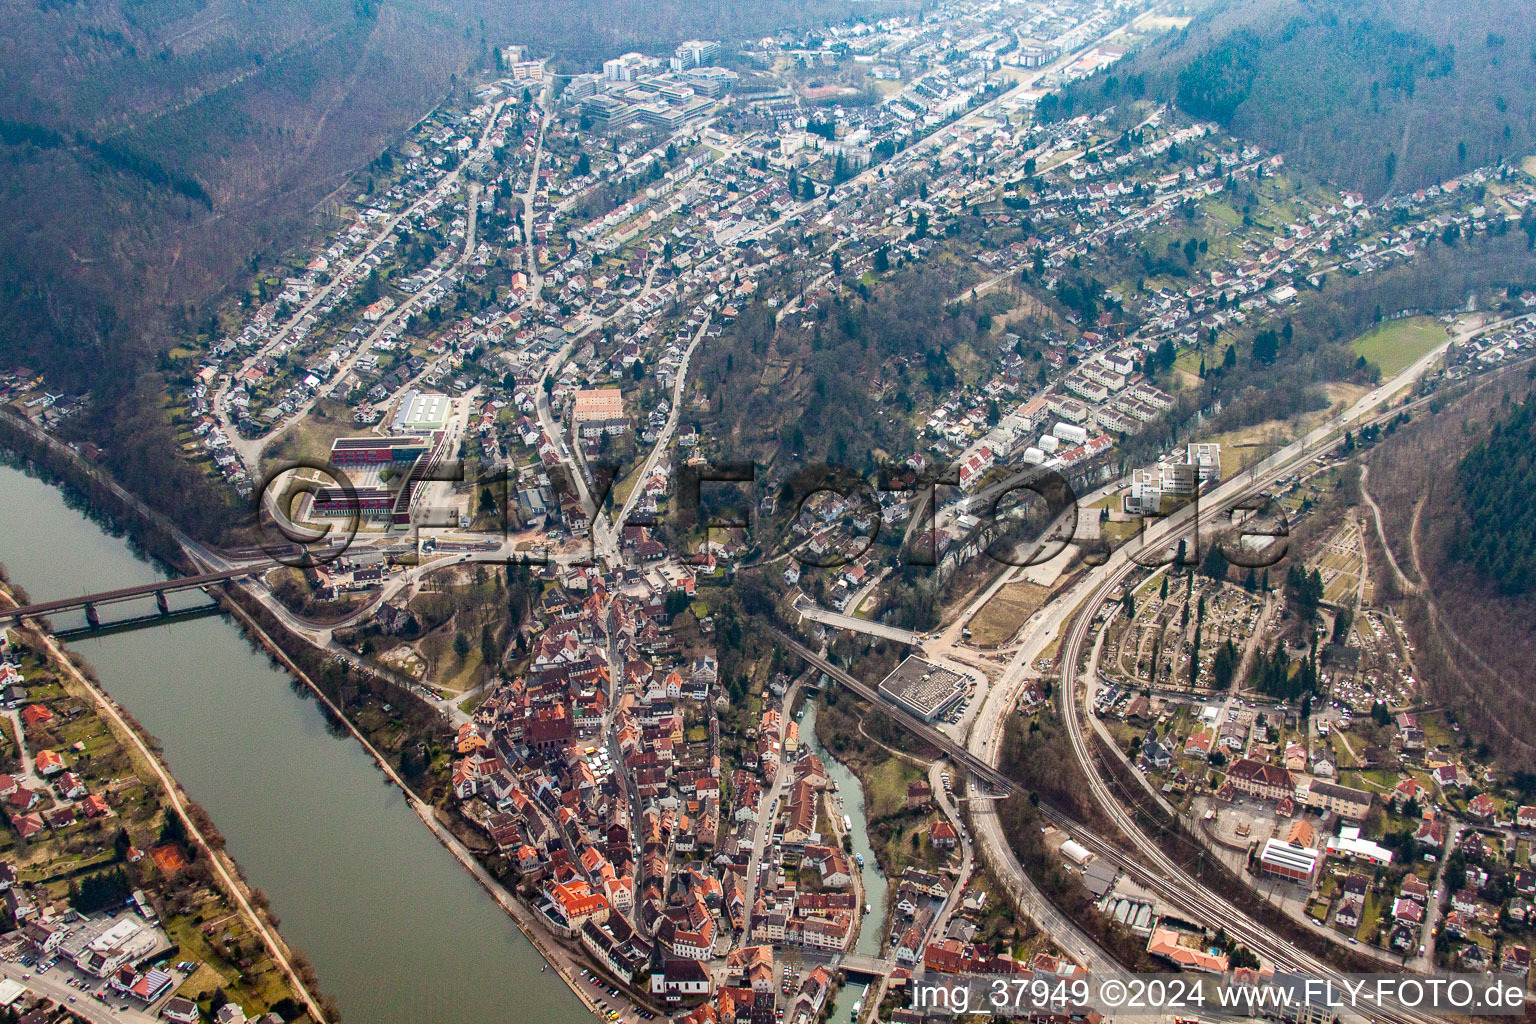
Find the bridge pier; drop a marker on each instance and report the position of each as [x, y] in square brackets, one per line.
[204, 581]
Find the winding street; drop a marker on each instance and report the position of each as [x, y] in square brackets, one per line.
[248, 450]
[1079, 607]
[947, 804]
[606, 535]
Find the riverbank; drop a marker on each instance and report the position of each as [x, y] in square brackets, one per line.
[897, 828]
[852, 800]
[231, 883]
[157, 535]
[557, 956]
[399, 932]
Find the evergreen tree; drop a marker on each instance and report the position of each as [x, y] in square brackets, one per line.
[1224, 665]
[489, 653]
[1215, 564]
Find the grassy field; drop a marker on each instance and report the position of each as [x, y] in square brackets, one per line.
[1370, 918]
[466, 674]
[1242, 447]
[312, 435]
[1342, 757]
[1001, 617]
[905, 842]
[1117, 534]
[623, 488]
[1437, 732]
[885, 788]
[1395, 346]
[1189, 361]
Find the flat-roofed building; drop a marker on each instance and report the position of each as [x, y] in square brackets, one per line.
[378, 451]
[923, 688]
[1146, 497]
[1206, 458]
[694, 53]
[1179, 478]
[1289, 860]
[607, 113]
[100, 945]
[423, 413]
[665, 115]
[362, 502]
[709, 81]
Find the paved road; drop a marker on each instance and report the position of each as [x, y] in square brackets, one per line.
[535, 275]
[608, 545]
[1426, 961]
[988, 830]
[936, 772]
[54, 986]
[1046, 625]
[249, 450]
[222, 867]
[765, 807]
[1169, 879]
[552, 427]
[811, 610]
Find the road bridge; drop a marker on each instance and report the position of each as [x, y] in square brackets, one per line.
[811, 610]
[868, 966]
[92, 602]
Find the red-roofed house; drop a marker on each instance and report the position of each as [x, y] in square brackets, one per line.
[1268, 781]
[1165, 944]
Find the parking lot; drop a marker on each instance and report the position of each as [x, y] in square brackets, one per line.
[590, 978]
[87, 996]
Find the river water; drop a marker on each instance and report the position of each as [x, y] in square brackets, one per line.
[850, 801]
[397, 930]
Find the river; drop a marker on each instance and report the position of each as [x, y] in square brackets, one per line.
[850, 800]
[397, 930]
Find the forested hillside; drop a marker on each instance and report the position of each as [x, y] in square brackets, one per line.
[1378, 95]
[1496, 480]
[151, 150]
[150, 147]
[1449, 486]
[841, 386]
